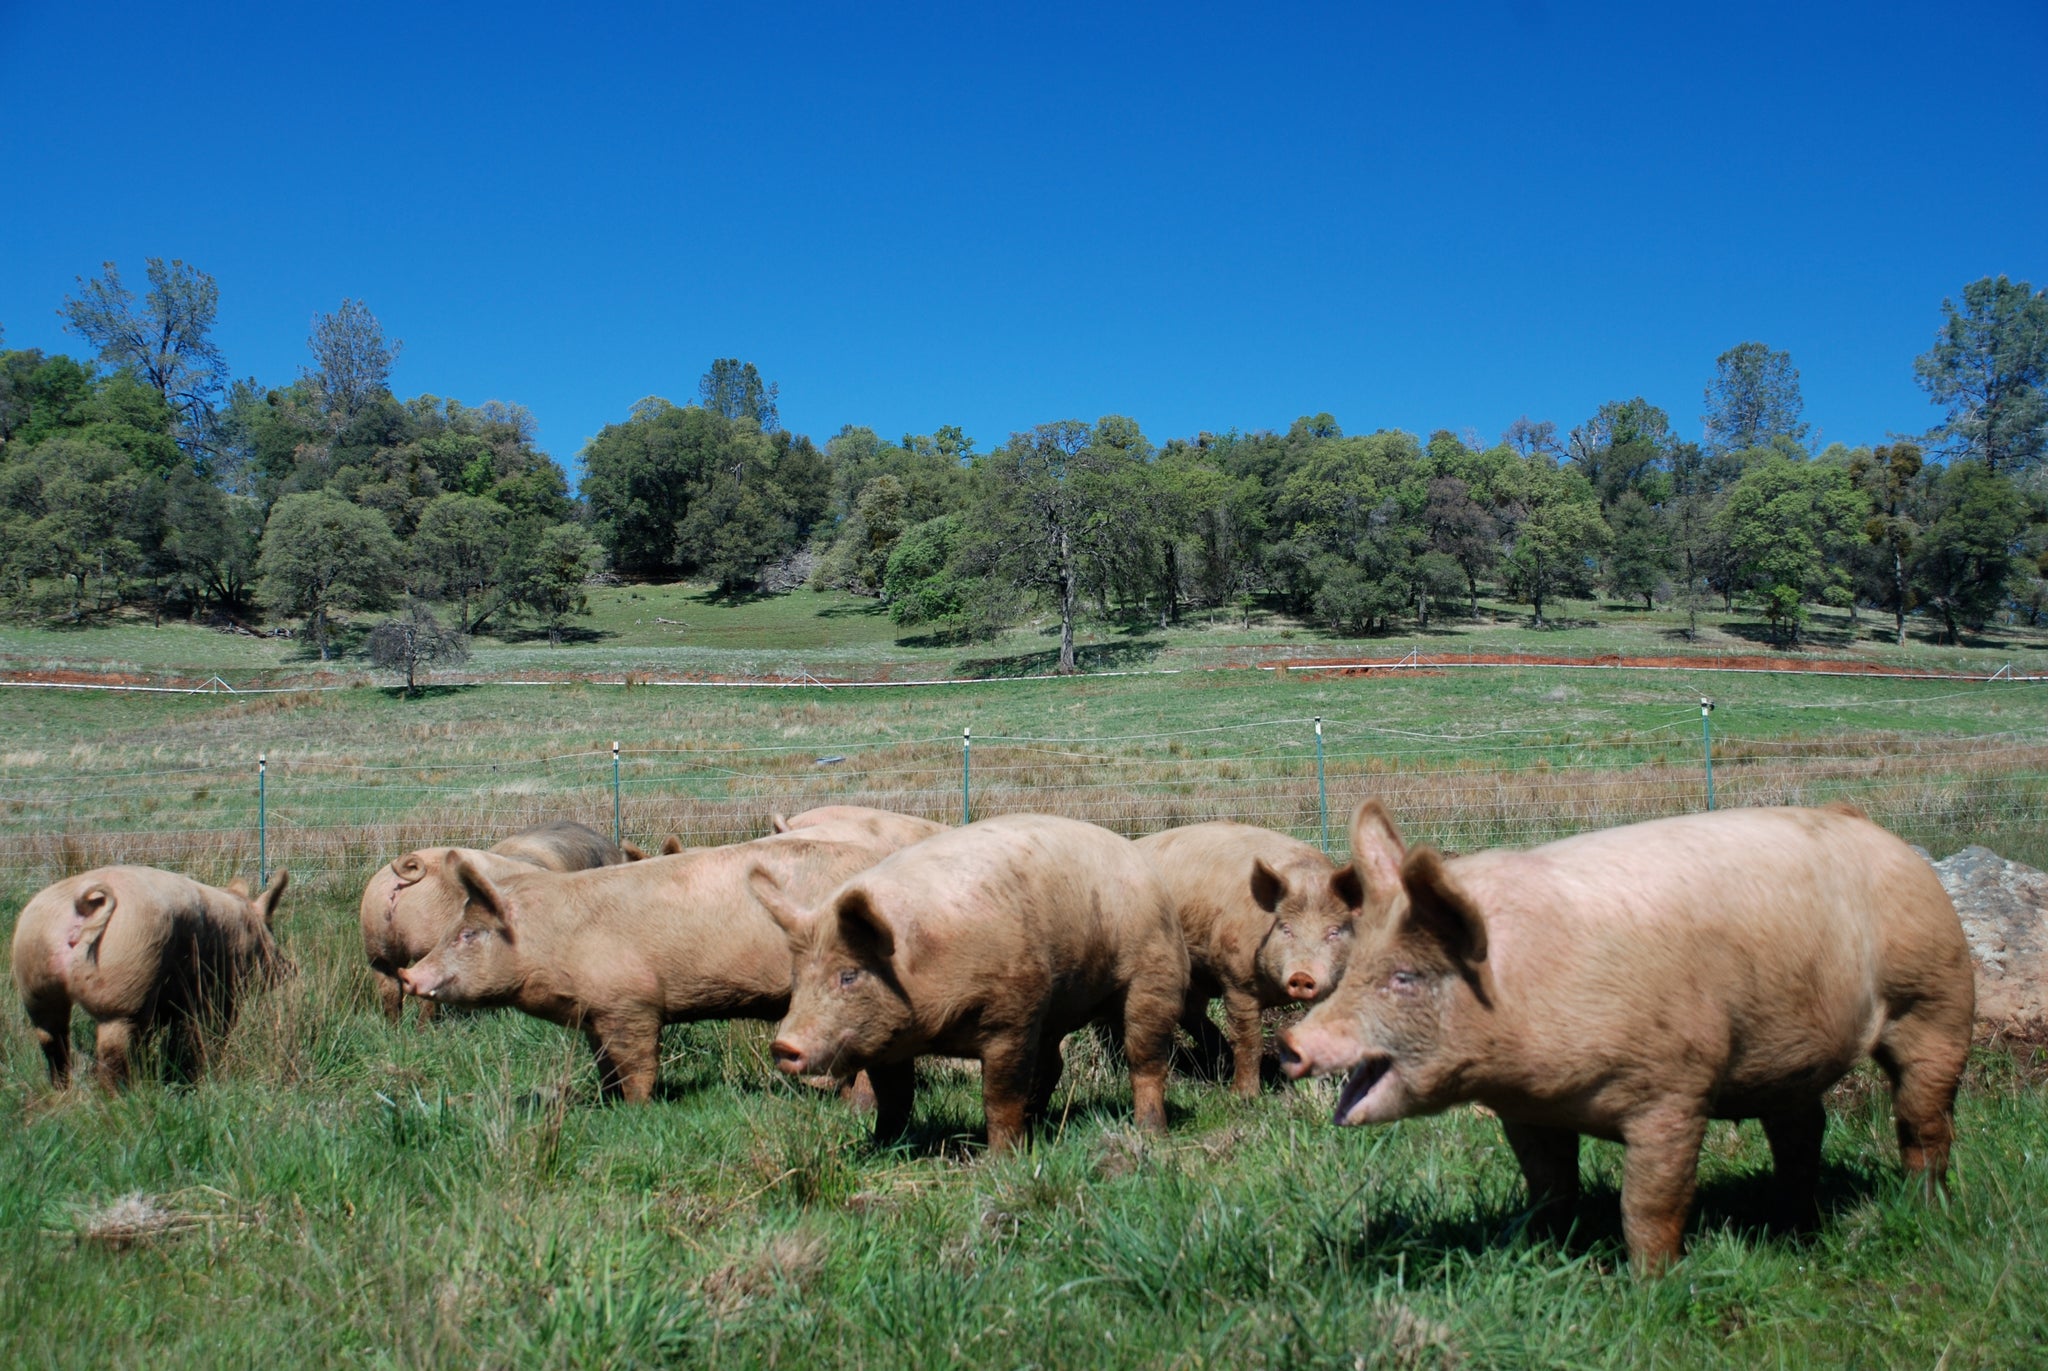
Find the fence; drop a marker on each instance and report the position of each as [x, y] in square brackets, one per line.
[338, 819]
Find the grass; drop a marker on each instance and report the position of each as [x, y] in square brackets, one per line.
[339, 1192]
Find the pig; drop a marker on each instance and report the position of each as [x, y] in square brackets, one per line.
[991, 941]
[1634, 983]
[619, 951]
[900, 829]
[143, 952]
[409, 905]
[1268, 920]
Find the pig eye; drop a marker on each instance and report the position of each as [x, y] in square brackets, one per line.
[1334, 934]
[470, 935]
[1287, 930]
[1404, 980]
[847, 979]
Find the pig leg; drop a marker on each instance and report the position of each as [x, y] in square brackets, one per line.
[1925, 1065]
[112, 1043]
[1007, 1068]
[628, 1049]
[856, 1092]
[1149, 1013]
[1047, 1079]
[1550, 1164]
[894, 1087]
[1795, 1138]
[391, 995]
[51, 1018]
[1247, 1041]
[1658, 1177]
[1211, 1047]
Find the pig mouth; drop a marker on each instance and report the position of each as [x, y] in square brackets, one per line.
[1355, 1102]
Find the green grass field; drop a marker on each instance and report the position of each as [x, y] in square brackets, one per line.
[338, 1192]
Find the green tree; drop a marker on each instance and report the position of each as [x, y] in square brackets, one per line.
[641, 476]
[210, 542]
[1029, 519]
[319, 554]
[1890, 477]
[459, 551]
[1989, 368]
[352, 360]
[1753, 399]
[551, 579]
[733, 389]
[1639, 553]
[166, 339]
[922, 583]
[1964, 564]
[1555, 532]
[1791, 527]
[1622, 447]
[69, 508]
[1460, 528]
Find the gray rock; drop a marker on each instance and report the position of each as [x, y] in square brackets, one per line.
[2004, 908]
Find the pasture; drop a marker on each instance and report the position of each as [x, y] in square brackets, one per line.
[341, 1192]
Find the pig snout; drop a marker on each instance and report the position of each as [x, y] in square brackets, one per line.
[1306, 1049]
[789, 1058]
[420, 980]
[1302, 986]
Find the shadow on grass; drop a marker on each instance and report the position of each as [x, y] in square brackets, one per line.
[722, 597]
[1393, 1237]
[425, 692]
[859, 609]
[571, 634]
[1094, 657]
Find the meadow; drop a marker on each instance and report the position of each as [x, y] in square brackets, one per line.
[341, 1192]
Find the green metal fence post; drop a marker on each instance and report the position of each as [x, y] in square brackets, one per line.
[1707, 741]
[616, 833]
[262, 821]
[966, 759]
[1322, 787]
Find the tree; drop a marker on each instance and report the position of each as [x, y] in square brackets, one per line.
[320, 553]
[1890, 478]
[459, 550]
[1989, 368]
[66, 510]
[210, 541]
[351, 360]
[1753, 398]
[414, 641]
[1028, 522]
[1557, 531]
[1531, 439]
[1461, 529]
[642, 478]
[166, 340]
[551, 579]
[733, 389]
[1639, 555]
[1964, 564]
[1621, 446]
[1790, 526]
[922, 583]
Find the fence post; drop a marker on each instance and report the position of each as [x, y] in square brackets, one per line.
[1707, 742]
[262, 821]
[616, 832]
[1322, 788]
[966, 759]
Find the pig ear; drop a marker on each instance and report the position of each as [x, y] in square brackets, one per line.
[671, 845]
[777, 824]
[265, 904]
[633, 853]
[1269, 887]
[95, 906]
[1346, 886]
[489, 902]
[1440, 911]
[864, 926]
[1377, 850]
[788, 916]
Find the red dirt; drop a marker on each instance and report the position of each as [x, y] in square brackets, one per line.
[1718, 662]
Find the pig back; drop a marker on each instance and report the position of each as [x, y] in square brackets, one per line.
[561, 845]
[1206, 871]
[169, 941]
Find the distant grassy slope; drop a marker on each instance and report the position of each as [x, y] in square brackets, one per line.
[832, 633]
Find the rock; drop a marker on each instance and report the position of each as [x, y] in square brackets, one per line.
[2004, 908]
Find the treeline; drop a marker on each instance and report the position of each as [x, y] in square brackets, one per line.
[145, 477]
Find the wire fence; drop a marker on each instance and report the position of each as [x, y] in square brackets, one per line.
[330, 819]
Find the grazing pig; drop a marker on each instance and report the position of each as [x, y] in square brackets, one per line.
[899, 830]
[142, 951]
[620, 951]
[1634, 983]
[991, 941]
[1268, 920]
[410, 905]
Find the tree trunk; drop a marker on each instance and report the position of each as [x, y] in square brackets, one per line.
[1472, 584]
[1899, 591]
[320, 630]
[1068, 591]
[1172, 586]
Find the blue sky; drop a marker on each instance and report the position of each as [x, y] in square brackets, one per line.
[1202, 216]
